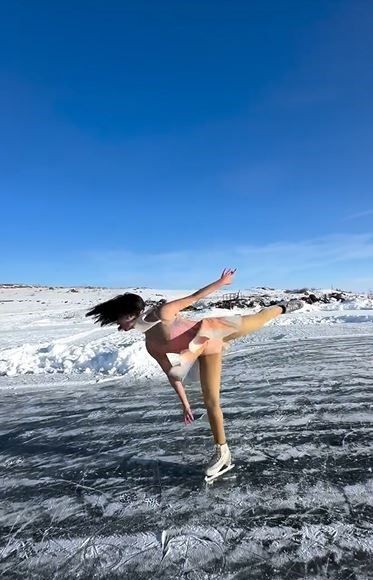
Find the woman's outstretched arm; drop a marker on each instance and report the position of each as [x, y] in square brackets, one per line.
[164, 363]
[169, 310]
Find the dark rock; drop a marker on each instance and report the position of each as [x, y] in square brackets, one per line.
[297, 291]
[237, 300]
[338, 296]
[310, 299]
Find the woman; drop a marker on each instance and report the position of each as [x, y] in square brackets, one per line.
[200, 342]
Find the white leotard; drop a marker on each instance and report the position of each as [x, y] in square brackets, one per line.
[143, 325]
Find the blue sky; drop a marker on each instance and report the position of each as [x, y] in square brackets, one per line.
[153, 143]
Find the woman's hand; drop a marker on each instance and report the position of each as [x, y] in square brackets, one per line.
[188, 415]
[227, 276]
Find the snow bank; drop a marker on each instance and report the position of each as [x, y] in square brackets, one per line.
[108, 359]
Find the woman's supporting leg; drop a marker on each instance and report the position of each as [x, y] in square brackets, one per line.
[210, 374]
[252, 322]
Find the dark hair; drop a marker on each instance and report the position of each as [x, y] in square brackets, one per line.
[108, 312]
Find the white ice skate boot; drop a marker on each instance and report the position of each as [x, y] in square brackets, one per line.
[219, 463]
[291, 306]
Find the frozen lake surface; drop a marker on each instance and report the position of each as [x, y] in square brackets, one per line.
[102, 479]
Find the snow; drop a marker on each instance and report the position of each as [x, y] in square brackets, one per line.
[45, 332]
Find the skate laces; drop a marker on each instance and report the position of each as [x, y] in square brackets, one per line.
[216, 456]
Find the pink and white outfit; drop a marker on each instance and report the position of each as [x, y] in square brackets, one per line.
[207, 338]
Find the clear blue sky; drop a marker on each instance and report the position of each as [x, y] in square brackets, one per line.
[153, 143]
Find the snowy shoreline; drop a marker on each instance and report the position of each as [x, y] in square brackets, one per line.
[44, 331]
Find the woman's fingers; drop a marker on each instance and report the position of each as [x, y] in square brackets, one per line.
[228, 271]
[227, 275]
[188, 418]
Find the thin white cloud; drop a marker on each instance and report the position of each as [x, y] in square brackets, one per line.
[316, 261]
[359, 214]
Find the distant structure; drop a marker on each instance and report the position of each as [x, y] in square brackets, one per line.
[233, 296]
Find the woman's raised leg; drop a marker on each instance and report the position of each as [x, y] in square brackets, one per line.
[252, 322]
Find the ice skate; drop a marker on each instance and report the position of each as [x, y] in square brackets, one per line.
[219, 464]
[291, 306]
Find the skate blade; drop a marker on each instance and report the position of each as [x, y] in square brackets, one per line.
[212, 478]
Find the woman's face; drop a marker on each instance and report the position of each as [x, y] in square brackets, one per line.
[126, 322]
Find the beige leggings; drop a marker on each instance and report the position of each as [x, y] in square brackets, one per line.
[210, 370]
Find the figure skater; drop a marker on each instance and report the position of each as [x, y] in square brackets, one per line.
[197, 342]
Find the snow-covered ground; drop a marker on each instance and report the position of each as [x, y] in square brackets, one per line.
[101, 479]
[45, 332]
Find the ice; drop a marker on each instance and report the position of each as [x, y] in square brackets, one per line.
[101, 479]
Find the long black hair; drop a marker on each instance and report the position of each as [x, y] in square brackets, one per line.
[108, 312]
